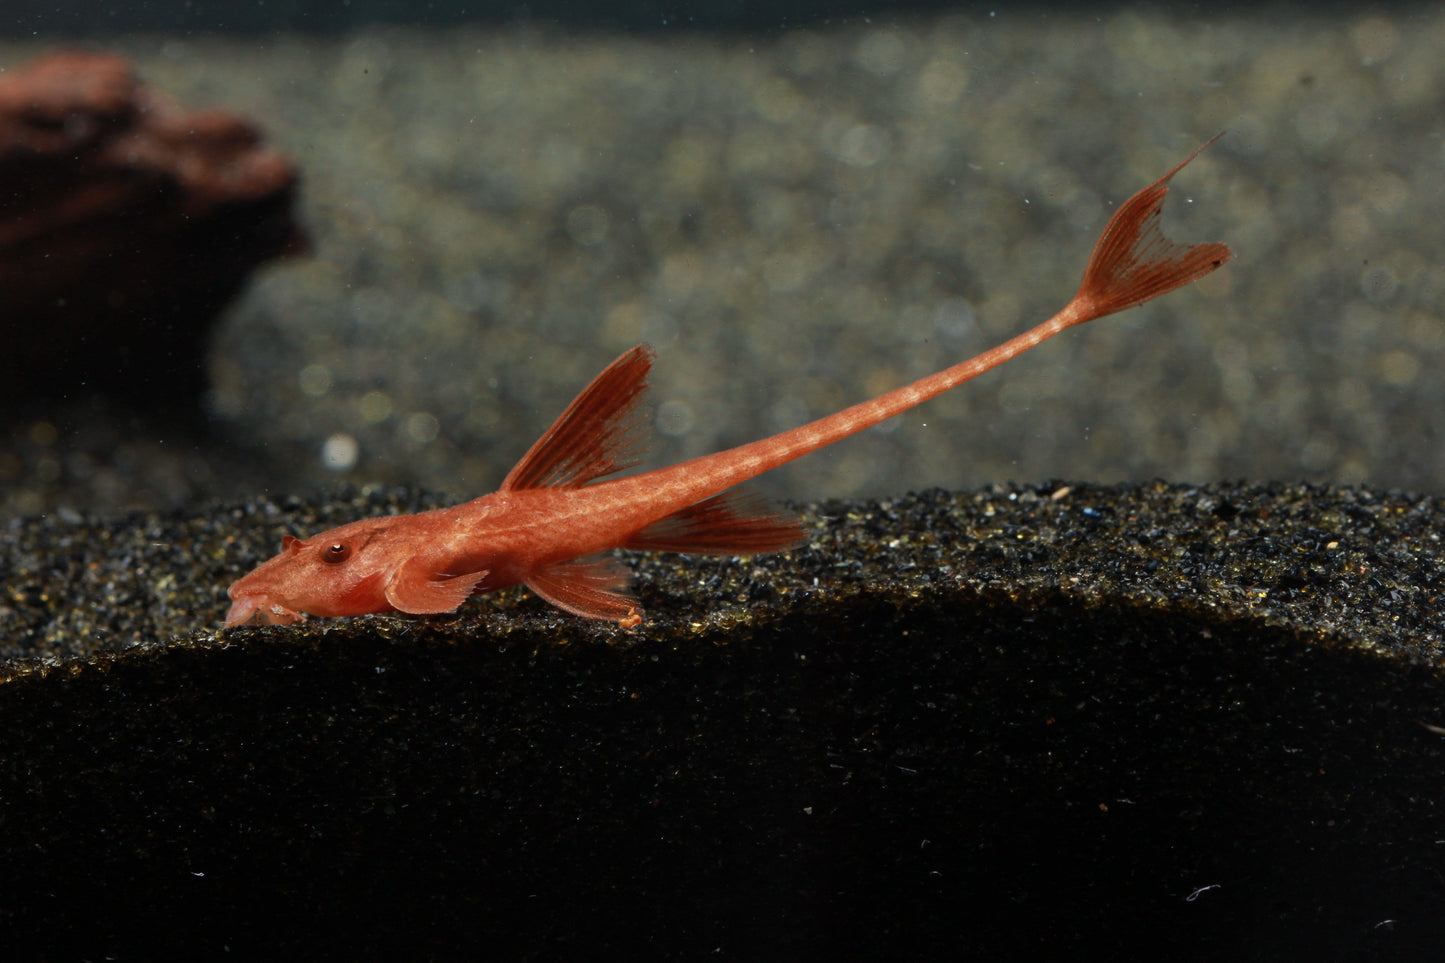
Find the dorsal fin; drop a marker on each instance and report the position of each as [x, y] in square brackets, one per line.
[599, 433]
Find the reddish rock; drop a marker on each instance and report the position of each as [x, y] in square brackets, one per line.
[126, 223]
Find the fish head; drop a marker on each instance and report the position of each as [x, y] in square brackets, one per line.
[338, 572]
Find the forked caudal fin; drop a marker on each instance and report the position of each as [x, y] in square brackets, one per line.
[1134, 262]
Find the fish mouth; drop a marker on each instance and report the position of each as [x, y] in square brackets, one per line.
[260, 610]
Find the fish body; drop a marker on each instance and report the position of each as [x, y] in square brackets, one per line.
[546, 538]
[558, 510]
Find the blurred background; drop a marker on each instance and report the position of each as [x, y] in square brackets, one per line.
[798, 209]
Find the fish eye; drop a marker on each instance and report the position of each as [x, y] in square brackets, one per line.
[336, 552]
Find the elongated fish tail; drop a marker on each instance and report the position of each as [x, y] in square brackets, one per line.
[1134, 262]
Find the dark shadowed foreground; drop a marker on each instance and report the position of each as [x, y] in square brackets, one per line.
[1144, 722]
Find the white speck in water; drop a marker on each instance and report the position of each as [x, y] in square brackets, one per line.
[340, 451]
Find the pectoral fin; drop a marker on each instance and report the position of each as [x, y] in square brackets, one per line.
[418, 589]
[595, 588]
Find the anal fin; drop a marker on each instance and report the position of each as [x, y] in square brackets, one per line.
[731, 523]
[595, 588]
